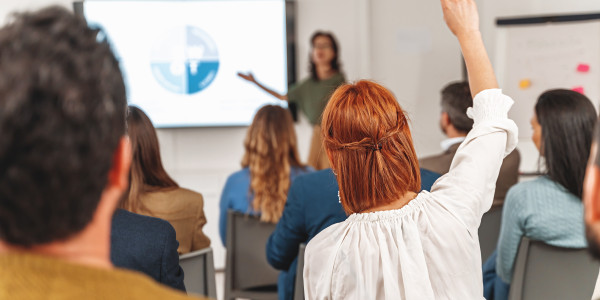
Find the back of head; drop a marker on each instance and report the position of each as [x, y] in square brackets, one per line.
[368, 141]
[456, 98]
[62, 115]
[567, 119]
[271, 151]
[146, 167]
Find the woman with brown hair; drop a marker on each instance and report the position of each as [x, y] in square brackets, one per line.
[270, 164]
[399, 243]
[153, 192]
[312, 93]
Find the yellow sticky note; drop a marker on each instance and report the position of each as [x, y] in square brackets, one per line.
[524, 84]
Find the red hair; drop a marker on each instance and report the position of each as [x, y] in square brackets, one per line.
[369, 145]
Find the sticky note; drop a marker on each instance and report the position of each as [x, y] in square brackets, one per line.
[579, 89]
[524, 84]
[583, 68]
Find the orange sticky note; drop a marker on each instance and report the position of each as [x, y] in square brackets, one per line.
[524, 84]
[583, 68]
[579, 89]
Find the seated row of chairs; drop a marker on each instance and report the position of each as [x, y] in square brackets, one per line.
[541, 271]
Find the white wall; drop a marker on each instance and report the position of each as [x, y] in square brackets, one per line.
[401, 44]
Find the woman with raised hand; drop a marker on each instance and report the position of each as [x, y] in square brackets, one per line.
[270, 164]
[399, 243]
[154, 193]
[548, 208]
[312, 93]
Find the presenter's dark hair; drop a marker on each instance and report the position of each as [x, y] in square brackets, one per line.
[456, 98]
[567, 119]
[147, 171]
[335, 64]
[62, 115]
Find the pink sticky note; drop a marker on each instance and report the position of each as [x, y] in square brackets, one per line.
[579, 89]
[583, 68]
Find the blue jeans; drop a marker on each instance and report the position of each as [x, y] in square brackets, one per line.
[493, 286]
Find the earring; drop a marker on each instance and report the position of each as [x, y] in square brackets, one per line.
[339, 198]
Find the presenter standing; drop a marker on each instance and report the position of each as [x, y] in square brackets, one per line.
[312, 93]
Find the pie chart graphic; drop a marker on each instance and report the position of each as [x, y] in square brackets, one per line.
[185, 60]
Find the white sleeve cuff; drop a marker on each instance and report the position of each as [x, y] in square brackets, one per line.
[488, 105]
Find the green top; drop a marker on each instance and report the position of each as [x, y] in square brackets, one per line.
[311, 95]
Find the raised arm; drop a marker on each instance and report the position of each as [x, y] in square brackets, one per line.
[463, 20]
[250, 77]
[468, 188]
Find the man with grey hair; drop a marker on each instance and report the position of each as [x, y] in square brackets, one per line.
[454, 122]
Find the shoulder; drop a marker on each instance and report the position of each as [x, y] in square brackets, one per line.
[323, 178]
[439, 163]
[328, 237]
[239, 176]
[125, 221]
[539, 189]
[514, 158]
[136, 286]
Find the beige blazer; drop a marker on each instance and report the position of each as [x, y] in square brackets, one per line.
[182, 208]
[509, 171]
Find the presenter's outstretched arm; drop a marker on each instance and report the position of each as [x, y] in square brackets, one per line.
[250, 77]
[463, 20]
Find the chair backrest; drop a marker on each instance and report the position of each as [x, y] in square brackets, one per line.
[299, 286]
[199, 272]
[247, 265]
[547, 272]
[489, 231]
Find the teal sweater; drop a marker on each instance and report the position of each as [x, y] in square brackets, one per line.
[542, 210]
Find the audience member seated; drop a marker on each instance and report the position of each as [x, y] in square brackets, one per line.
[591, 203]
[270, 164]
[65, 162]
[154, 193]
[454, 122]
[146, 245]
[312, 205]
[549, 208]
[399, 243]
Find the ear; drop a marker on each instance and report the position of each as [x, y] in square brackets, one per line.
[118, 181]
[445, 119]
[591, 189]
[118, 176]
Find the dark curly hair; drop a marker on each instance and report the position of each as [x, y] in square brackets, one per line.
[62, 114]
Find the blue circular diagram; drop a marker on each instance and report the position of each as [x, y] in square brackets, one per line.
[185, 60]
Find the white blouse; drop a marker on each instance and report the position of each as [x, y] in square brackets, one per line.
[428, 249]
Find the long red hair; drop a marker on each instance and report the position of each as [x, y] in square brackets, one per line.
[369, 145]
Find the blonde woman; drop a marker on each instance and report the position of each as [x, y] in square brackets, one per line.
[270, 164]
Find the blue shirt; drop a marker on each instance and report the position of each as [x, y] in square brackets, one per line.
[541, 210]
[236, 195]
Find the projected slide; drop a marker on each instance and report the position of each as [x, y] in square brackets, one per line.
[180, 58]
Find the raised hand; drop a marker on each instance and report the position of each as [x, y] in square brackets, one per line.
[461, 16]
[463, 20]
[247, 76]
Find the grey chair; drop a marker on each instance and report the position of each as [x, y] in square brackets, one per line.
[489, 231]
[547, 272]
[199, 272]
[299, 284]
[247, 272]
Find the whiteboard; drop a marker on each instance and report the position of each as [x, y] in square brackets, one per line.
[533, 58]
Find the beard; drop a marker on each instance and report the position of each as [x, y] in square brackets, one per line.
[593, 242]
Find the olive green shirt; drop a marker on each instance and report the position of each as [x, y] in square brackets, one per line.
[312, 96]
[27, 276]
